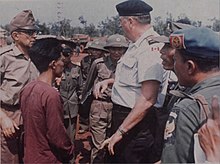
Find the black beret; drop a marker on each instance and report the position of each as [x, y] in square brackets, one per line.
[133, 8]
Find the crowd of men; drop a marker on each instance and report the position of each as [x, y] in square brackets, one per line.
[145, 98]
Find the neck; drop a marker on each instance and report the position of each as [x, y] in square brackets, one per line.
[139, 31]
[47, 77]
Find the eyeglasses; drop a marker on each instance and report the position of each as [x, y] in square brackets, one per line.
[29, 32]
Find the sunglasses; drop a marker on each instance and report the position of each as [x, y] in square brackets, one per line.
[28, 32]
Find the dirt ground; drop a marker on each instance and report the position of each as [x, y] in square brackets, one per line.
[83, 147]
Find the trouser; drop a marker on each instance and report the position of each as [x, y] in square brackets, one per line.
[100, 122]
[161, 119]
[12, 148]
[70, 125]
[138, 145]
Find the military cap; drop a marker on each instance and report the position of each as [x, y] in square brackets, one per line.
[24, 21]
[133, 8]
[172, 26]
[198, 42]
[98, 44]
[116, 40]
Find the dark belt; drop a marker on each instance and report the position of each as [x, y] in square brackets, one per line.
[121, 108]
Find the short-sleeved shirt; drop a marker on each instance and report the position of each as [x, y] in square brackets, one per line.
[45, 139]
[16, 71]
[140, 63]
[70, 86]
[184, 120]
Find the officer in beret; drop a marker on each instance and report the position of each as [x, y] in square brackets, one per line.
[196, 64]
[16, 71]
[138, 89]
[101, 108]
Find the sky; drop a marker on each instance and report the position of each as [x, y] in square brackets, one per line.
[94, 11]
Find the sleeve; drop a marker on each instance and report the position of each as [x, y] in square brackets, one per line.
[179, 142]
[56, 133]
[150, 67]
[90, 81]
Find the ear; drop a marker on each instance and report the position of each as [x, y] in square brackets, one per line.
[53, 64]
[191, 67]
[14, 35]
[131, 21]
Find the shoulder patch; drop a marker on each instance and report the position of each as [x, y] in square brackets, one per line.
[150, 42]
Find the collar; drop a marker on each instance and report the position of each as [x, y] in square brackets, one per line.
[144, 36]
[209, 82]
[16, 51]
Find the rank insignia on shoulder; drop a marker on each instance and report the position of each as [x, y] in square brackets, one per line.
[155, 49]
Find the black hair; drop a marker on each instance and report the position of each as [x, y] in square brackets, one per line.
[44, 51]
[204, 64]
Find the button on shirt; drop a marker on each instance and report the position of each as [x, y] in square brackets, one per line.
[140, 63]
[16, 71]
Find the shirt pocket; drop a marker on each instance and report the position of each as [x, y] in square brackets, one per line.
[128, 74]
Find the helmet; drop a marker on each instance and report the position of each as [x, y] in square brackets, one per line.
[97, 44]
[116, 40]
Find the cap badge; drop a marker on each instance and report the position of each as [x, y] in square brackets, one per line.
[177, 41]
[118, 39]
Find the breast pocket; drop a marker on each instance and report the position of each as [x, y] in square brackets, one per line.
[128, 74]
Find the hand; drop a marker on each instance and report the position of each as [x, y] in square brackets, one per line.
[209, 133]
[8, 127]
[115, 138]
[105, 143]
[99, 88]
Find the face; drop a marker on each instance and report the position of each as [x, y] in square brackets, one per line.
[180, 68]
[125, 26]
[116, 52]
[167, 54]
[59, 66]
[96, 53]
[26, 38]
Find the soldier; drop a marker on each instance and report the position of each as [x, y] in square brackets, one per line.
[196, 64]
[101, 109]
[138, 90]
[16, 71]
[70, 88]
[45, 138]
[96, 50]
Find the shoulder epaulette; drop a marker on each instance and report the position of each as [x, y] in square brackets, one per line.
[151, 41]
[100, 60]
[5, 50]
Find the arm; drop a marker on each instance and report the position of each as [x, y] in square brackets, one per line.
[8, 126]
[209, 133]
[149, 92]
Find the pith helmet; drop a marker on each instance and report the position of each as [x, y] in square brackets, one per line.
[116, 40]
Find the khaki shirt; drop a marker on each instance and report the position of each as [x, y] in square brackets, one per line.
[140, 63]
[16, 71]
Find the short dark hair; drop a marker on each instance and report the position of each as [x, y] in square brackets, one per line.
[204, 64]
[44, 51]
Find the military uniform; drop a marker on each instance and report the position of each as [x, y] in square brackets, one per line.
[141, 62]
[199, 46]
[70, 87]
[101, 109]
[16, 71]
[184, 120]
